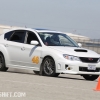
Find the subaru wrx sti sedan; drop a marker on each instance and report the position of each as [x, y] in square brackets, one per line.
[47, 53]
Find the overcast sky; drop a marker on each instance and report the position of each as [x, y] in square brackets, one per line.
[75, 16]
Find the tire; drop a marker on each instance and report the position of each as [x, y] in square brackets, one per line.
[2, 63]
[90, 77]
[49, 68]
[36, 72]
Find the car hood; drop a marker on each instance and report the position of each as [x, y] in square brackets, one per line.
[76, 51]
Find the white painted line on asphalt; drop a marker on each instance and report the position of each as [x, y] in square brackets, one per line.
[44, 85]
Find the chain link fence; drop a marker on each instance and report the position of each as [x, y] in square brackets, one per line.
[92, 44]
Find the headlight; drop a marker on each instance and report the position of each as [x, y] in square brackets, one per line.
[69, 57]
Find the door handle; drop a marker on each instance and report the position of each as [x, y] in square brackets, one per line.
[23, 48]
[6, 45]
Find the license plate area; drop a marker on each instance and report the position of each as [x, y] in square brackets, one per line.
[91, 67]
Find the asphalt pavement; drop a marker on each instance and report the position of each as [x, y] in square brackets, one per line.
[64, 87]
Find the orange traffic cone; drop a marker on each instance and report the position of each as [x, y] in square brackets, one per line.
[98, 85]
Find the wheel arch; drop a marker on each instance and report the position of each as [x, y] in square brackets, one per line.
[3, 56]
[4, 52]
[46, 57]
[1, 53]
[3, 63]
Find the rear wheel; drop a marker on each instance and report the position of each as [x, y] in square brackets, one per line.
[2, 63]
[49, 68]
[90, 77]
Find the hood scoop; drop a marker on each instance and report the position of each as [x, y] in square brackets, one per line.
[80, 50]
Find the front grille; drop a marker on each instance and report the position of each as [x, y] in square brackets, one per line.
[89, 60]
[85, 69]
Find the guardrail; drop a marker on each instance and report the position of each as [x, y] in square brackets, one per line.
[92, 44]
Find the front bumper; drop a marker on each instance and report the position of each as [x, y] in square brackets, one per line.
[76, 67]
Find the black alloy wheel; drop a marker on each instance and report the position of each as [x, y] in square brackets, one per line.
[49, 68]
[90, 77]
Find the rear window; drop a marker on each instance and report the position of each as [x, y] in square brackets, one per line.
[8, 35]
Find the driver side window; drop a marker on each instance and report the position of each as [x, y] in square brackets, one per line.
[31, 36]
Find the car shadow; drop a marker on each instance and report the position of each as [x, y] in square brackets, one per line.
[70, 78]
[59, 77]
[27, 73]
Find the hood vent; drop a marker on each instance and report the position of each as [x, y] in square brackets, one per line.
[80, 50]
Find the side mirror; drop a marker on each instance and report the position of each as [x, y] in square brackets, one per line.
[33, 42]
[80, 45]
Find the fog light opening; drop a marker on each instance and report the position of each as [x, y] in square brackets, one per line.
[69, 68]
[66, 66]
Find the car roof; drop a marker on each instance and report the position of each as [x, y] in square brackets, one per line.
[45, 30]
[35, 29]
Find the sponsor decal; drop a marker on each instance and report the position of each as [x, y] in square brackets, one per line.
[35, 59]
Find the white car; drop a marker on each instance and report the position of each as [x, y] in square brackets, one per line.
[47, 53]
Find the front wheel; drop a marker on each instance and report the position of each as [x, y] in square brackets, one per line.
[49, 68]
[90, 77]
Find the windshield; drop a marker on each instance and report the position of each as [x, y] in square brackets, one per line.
[57, 39]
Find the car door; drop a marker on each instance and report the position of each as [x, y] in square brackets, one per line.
[31, 53]
[14, 46]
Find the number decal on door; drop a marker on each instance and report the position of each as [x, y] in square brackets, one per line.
[35, 59]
